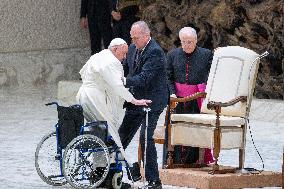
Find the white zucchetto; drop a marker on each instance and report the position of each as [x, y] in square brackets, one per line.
[116, 41]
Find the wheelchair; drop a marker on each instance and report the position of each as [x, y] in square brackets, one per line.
[75, 154]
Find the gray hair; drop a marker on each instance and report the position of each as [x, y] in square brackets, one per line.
[188, 30]
[143, 26]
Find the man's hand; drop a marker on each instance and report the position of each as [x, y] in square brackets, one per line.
[141, 102]
[84, 23]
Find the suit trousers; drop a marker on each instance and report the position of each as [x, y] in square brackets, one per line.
[98, 32]
[130, 125]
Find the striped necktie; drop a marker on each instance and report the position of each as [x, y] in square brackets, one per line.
[137, 58]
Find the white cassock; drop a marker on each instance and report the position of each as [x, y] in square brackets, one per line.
[102, 93]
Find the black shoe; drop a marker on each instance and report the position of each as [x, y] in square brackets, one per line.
[125, 185]
[152, 185]
[135, 172]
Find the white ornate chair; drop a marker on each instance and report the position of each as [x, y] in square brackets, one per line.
[225, 109]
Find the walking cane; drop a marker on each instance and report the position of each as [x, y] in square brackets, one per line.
[147, 110]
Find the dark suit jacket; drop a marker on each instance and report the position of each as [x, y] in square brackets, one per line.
[148, 80]
[199, 66]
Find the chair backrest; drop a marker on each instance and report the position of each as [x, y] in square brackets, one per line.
[233, 73]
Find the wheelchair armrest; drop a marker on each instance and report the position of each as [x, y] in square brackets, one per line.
[51, 103]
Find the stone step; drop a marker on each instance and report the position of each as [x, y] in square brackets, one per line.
[199, 178]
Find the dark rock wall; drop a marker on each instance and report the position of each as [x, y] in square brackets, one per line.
[255, 24]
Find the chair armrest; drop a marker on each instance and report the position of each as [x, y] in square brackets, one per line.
[212, 105]
[189, 98]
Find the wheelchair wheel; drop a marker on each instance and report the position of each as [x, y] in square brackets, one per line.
[86, 162]
[48, 162]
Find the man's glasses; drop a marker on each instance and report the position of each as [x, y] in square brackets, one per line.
[135, 38]
[186, 42]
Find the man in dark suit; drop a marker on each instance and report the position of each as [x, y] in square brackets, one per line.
[146, 67]
[97, 15]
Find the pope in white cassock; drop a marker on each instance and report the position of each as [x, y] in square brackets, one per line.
[102, 93]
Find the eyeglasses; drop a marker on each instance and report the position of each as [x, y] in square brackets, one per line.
[186, 42]
[135, 38]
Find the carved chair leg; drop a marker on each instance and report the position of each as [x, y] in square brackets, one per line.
[201, 156]
[241, 159]
[242, 151]
[170, 160]
[216, 150]
[215, 166]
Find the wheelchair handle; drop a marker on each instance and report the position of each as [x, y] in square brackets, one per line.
[146, 109]
[52, 103]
